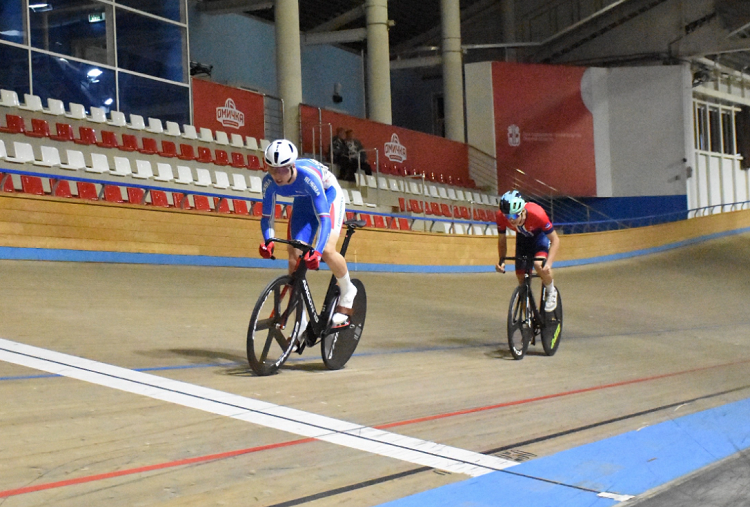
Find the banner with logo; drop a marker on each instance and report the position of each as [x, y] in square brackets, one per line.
[396, 145]
[543, 127]
[231, 110]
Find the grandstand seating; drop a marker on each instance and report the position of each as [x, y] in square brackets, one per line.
[130, 160]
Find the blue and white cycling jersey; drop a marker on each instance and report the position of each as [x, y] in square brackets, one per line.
[316, 194]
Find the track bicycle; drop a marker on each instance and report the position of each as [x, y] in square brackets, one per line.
[274, 330]
[526, 321]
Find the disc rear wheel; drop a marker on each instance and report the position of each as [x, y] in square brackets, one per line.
[552, 325]
[274, 326]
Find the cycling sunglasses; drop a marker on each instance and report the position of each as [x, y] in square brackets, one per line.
[512, 216]
[280, 170]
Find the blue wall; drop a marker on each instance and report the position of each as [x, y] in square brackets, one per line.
[411, 99]
[243, 53]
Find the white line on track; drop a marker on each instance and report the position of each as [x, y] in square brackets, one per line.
[355, 436]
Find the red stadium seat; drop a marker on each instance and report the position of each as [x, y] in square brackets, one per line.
[445, 210]
[238, 160]
[435, 209]
[112, 193]
[253, 163]
[378, 221]
[149, 146]
[39, 128]
[257, 209]
[14, 124]
[32, 185]
[87, 190]
[7, 183]
[64, 132]
[402, 204]
[186, 152]
[87, 136]
[221, 205]
[60, 188]
[135, 195]
[279, 211]
[168, 149]
[159, 198]
[403, 224]
[415, 205]
[109, 140]
[201, 203]
[180, 200]
[204, 155]
[350, 215]
[129, 143]
[392, 223]
[367, 219]
[222, 158]
[240, 207]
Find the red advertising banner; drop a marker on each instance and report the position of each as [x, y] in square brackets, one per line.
[543, 127]
[413, 150]
[231, 110]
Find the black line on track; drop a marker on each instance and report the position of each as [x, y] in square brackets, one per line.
[414, 471]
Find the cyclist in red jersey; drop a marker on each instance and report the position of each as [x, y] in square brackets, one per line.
[535, 237]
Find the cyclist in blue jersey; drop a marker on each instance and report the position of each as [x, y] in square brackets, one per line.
[318, 209]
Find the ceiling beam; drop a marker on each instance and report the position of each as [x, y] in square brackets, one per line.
[341, 20]
[234, 6]
[337, 37]
[476, 10]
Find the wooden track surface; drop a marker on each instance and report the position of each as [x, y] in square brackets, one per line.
[642, 336]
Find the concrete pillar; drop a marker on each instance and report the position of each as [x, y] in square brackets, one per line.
[289, 65]
[453, 81]
[509, 29]
[378, 62]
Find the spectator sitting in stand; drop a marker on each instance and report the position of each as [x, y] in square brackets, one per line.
[356, 158]
[340, 153]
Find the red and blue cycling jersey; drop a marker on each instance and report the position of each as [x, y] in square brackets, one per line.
[536, 223]
[313, 181]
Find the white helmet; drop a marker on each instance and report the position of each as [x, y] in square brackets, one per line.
[280, 153]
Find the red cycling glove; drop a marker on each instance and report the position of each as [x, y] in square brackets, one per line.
[266, 250]
[312, 259]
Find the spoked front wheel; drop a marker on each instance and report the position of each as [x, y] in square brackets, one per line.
[552, 325]
[519, 330]
[274, 326]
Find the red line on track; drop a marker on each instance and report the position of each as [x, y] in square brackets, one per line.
[239, 452]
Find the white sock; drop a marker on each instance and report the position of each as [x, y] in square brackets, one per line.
[344, 284]
[550, 287]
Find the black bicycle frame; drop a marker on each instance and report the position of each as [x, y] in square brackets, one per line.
[299, 281]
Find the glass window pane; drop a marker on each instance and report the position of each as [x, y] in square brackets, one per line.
[150, 46]
[59, 78]
[14, 69]
[75, 28]
[728, 130]
[11, 21]
[156, 99]
[170, 9]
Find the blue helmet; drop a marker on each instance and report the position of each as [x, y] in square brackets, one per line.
[511, 203]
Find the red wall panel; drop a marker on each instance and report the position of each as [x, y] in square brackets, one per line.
[423, 152]
[231, 110]
[543, 127]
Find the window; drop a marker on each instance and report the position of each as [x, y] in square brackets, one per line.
[14, 69]
[701, 128]
[170, 9]
[76, 28]
[157, 99]
[727, 127]
[150, 46]
[70, 81]
[11, 21]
